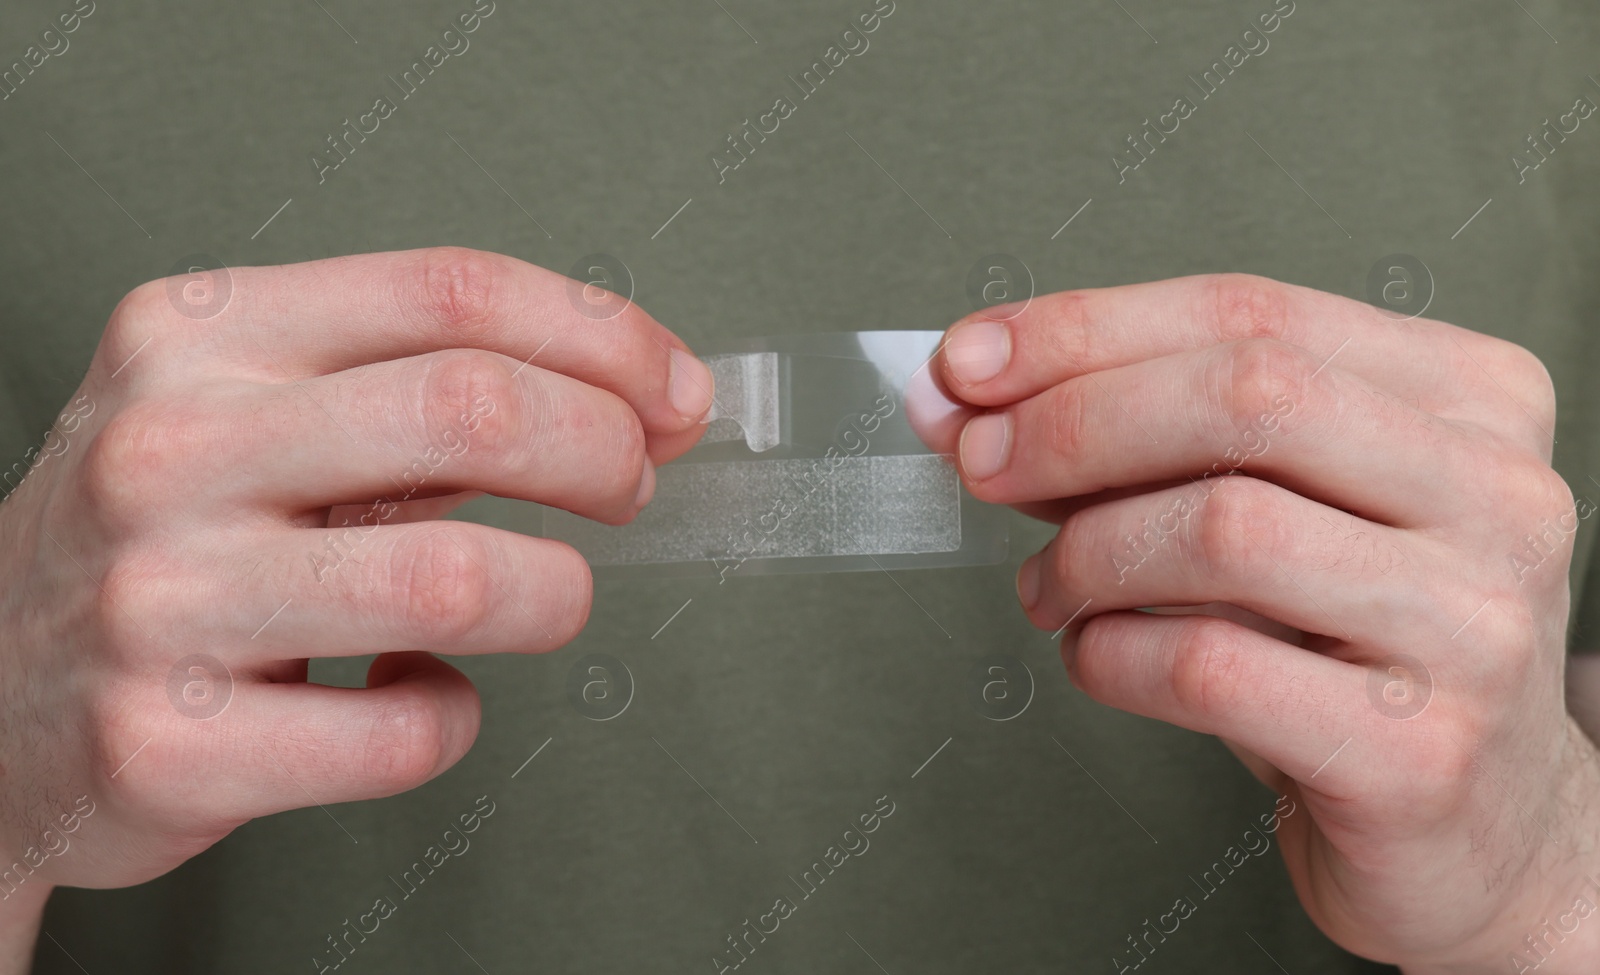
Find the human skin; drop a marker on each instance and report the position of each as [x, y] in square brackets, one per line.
[1324, 488]
[209, 465]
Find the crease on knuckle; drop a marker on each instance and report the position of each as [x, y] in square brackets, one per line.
[458, 288]
[1246, 306]
[132, 460]
[441, 586]
[471, 402]
[1223, 546]
[1066, 322]
[1262, 375]
[405, 742]
[1068, 431]
[1208, 668]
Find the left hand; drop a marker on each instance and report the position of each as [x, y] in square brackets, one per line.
[1365, 490]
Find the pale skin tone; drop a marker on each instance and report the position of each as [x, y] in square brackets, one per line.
[193, 499]
[1379, 495]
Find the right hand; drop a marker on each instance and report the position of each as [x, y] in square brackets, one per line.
[185, 500]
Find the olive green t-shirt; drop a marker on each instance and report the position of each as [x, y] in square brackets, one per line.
[774, 719]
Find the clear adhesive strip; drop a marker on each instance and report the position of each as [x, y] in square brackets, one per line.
[808, 464]
[731, 512]
[746, 400]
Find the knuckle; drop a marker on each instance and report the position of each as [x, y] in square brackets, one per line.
[138, 314]
[467, 399]
[1067, 428]
[406, 741]
[134, 590]
[1065, 323]
[1246, 306]
[457, 287]
[1208, 668]
[440, 584]
[130, 462]
[1263, 374]
[1237, 510]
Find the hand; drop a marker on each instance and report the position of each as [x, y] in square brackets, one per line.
[257, 487]
[1377, 497]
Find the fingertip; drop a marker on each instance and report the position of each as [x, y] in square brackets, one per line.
[690, 386]
[976, 352]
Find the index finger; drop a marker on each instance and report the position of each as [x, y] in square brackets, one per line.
[326, 316]
[1005, 354]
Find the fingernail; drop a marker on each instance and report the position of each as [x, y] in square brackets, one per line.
[1028, 583]
[689, 386]
[647, 485]
[978, 351]
[986, 445]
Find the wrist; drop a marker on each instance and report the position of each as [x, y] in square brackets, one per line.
[1553, 926]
